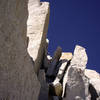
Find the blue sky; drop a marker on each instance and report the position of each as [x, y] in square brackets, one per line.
[76, 22]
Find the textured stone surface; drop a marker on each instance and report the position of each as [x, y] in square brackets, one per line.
[74, 79]
[66, 55]
[80, 57]
[94, 79]
[63, 64]
[54, 62]
[44, 87]
[37, 28]
[55, 90]
[17, 77]
[60, 72]
[47, 58]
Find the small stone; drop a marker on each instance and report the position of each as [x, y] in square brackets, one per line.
[55, 90]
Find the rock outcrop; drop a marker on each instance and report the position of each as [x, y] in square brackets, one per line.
[74, 79]
[54, 62]
[18, 80]
[44, 86]
[27, 71]
[94, 80]
[36, 31]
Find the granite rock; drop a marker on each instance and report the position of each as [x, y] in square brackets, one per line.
[36, 31]
[18, 80]
[54, 62]
[74, 80]
[66, 55]
[44, 86]
[47, 58]
[94, 80]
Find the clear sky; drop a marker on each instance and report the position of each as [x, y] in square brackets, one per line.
[76, 22]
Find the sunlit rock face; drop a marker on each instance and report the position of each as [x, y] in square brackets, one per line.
[36, 31]
[27, 71]
[75, 80]
[17, 77]
[94, 80]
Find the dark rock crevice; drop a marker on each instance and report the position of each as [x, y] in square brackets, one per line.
[93, 92]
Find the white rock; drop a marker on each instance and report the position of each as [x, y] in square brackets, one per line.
[36, 31]
[62, 66]
[74, 80]
[66, 55]
[80, 57]
[60, 72]
[94, 79]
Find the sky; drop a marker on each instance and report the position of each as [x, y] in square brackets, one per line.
[76, 22]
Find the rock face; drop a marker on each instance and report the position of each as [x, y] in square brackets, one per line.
[94, 80]
[44, 87]
[74, 79]
[36, 31]
[62, 66]
[17, 77]
[27, 71]
[54, 62]
[66, 55]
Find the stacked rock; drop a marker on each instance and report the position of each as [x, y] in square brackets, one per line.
[68, 78]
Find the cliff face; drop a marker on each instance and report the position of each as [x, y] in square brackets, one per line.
[27, 72]
[18, 80]
[37, 26]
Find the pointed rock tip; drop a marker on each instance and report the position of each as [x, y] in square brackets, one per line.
[81, 51]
